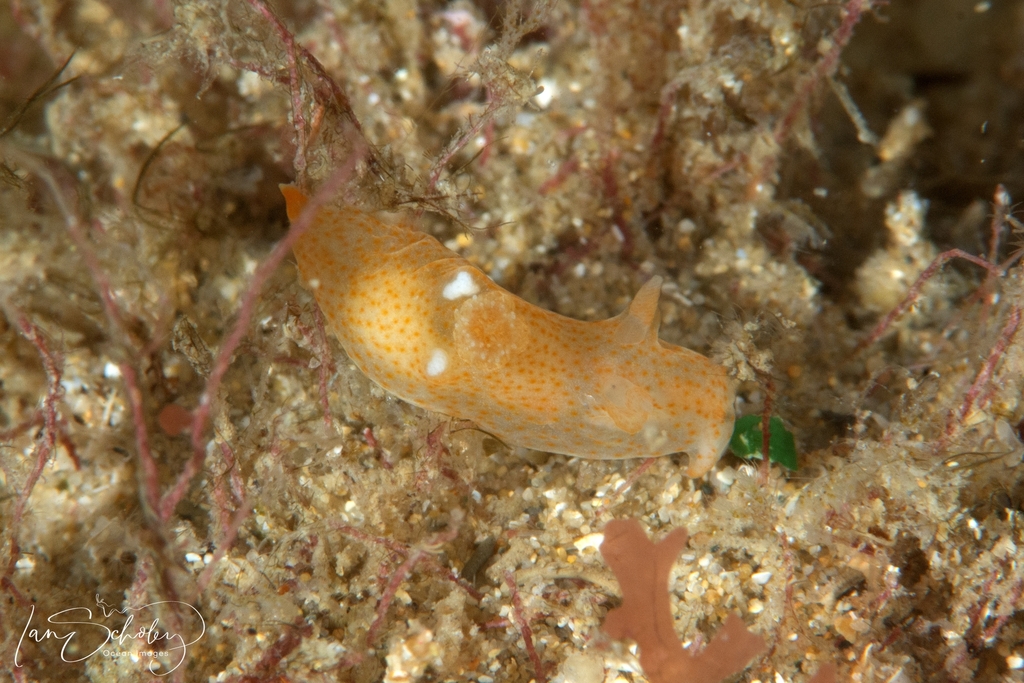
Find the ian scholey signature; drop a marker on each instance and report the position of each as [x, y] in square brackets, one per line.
[149, 641]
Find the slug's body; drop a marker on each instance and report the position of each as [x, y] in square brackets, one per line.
[435, 331]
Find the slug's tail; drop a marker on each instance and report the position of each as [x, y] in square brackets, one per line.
[294, 199]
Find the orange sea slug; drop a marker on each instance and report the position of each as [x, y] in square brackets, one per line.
[435, 331]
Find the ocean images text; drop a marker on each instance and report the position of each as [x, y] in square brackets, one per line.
[77, 623]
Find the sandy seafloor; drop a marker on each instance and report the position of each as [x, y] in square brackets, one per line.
[790, 169]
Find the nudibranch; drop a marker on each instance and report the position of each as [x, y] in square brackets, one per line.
[433, 330]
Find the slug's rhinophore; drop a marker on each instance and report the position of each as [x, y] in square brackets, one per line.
[435, 331]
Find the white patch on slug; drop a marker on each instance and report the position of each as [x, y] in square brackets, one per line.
[461, 285]
[438, 363]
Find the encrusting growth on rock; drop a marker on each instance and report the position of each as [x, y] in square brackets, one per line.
[642, 569]
[435, 331]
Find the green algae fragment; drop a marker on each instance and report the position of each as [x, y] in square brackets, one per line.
[747, 441]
